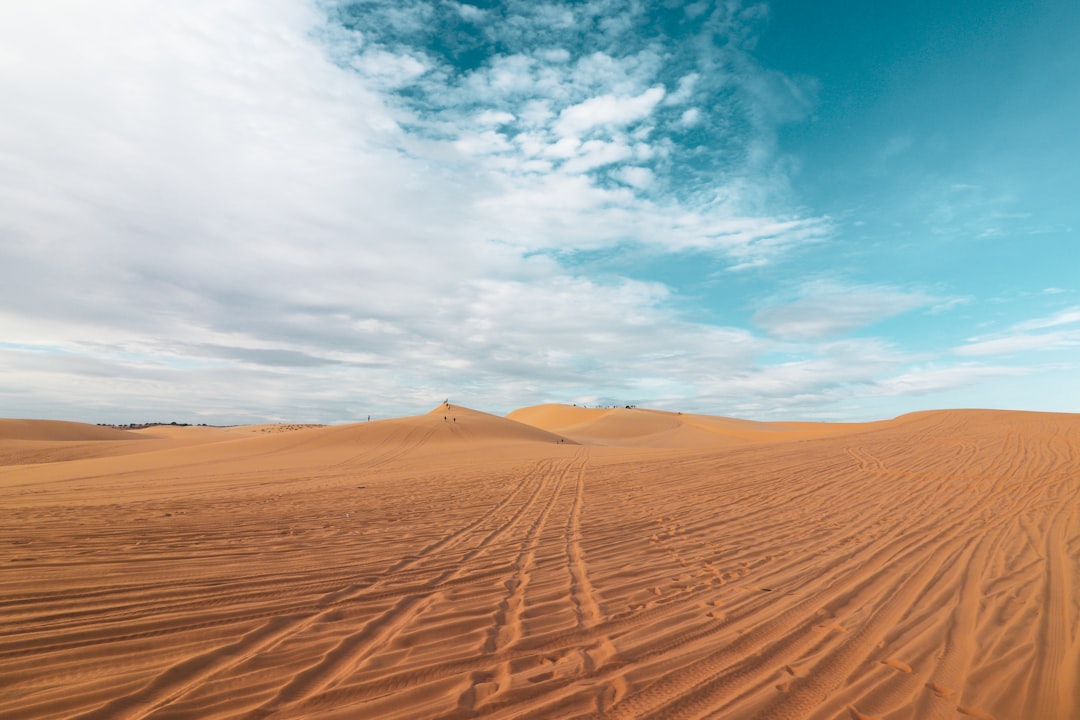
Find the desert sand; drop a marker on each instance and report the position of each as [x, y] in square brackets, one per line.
[558, 563]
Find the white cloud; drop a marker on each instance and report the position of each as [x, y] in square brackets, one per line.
[696, 9]
[564, 149]
[554, 55]
[684, 90]
[471, 12]
[1021, 342]
[495, 117]
[827, 310]
[1021, 337]
[1068, 316]
[607, 111]
[598, 153]
[638, 177]
[923, 381]
[234, 208]
[483, 143]
[690, 117]
[389, 69]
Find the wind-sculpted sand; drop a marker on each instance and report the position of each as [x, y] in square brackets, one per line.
[562, 563]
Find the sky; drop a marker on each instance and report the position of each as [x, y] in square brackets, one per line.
[319, 211]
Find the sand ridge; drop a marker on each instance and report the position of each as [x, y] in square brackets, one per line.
[46, 441]
[921, 567]
[60, 431]
[638, 427]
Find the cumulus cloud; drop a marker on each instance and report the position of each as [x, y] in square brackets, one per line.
[607, 111]
[690, 118]
[639, 177]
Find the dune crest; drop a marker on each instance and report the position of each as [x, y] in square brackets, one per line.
[637, 427]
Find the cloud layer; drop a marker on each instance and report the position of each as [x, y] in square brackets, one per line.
[291, 209]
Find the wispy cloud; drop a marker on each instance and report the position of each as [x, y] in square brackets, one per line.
[826, 310]
[1068, 316]
[1020, 342]
[927, 380]
[1021, 337]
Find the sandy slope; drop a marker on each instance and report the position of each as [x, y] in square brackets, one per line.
[59, 431]
[654, 428]
[29, 442]
[668, 567]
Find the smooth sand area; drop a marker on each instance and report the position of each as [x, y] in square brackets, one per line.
[559, 563]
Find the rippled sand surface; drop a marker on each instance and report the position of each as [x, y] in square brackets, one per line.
[559, 563]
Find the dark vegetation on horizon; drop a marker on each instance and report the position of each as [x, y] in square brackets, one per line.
[143, 426]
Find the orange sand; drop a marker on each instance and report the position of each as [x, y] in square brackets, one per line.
[560, 563]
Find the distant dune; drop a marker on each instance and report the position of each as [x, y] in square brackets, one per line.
[60, 431]
[453, 424]
[654, 428]
[560, 562]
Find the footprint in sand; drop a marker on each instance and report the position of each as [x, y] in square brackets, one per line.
[856, 715]
[612, 693]
[831, 626]
[477, 694]
[897, 665]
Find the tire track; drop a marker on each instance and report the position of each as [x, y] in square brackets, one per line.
[581, 590]
[706, 684]
[354, 649]
[807, 692]
[675, 684]
[956, 656]
[925, 569]
[508, 628]
[1057, 670]
[584, 597]
[177, 681]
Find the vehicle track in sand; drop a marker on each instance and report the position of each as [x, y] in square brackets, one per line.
[174, 682]
[922, 568]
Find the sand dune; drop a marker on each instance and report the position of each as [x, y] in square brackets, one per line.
[637, 427]
[453, 424]
[668, 566]
[46, 441]
[32, 442]
[60, 431]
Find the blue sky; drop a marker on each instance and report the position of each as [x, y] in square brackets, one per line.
[316, 211]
